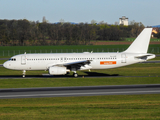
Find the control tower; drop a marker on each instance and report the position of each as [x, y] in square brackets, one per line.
[123, 21]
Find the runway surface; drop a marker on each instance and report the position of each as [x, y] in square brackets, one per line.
[91, 75]
[79, 91]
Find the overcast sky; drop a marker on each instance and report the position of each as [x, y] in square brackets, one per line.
[145, 11]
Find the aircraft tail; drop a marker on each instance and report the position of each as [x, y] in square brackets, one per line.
[141, 43]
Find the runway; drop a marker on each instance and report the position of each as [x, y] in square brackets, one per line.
[91, 75]
[79, 91]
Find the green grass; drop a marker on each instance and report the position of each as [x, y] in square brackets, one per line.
[67, 82]
[152, 39]
[2, 61]
[8, 51]
[59, 47]
[89, 108]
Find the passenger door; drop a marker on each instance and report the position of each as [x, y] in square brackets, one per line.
[23, 59]
[123, 58]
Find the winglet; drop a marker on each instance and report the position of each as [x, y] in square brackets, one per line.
[141, 43]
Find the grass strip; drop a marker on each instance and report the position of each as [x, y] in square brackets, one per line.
[8, 51]
[2, 61]
[63, 82]
[88, 108]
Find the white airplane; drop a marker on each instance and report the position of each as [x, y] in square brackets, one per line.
[62, 63]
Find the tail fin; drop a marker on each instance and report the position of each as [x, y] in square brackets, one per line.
[141, 43]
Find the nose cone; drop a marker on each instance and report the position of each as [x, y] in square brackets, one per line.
[5, 64]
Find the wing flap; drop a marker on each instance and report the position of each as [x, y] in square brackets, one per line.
[77, 63]
[80, 63]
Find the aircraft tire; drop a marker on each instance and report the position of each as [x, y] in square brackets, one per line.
[75, 75]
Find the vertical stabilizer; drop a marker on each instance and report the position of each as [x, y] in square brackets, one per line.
[141, 43]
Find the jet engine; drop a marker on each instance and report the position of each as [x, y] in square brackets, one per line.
[58, 70]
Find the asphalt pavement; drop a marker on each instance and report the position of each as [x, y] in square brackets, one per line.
[79, 91]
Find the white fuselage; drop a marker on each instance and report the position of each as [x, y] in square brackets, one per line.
[97, 60]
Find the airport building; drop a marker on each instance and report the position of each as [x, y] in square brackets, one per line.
[123, 21]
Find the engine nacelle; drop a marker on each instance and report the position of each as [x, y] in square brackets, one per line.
[57, 70]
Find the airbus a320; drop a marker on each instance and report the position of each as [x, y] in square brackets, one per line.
[63, 63]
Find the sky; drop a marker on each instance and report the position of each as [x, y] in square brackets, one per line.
[109, 11]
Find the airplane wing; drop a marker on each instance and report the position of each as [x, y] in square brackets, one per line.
[77, 64]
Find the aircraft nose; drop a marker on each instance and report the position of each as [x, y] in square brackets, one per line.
[5, 64]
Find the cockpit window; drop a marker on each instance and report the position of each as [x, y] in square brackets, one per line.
[12, 59]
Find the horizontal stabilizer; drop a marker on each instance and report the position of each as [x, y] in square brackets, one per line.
[146, 56]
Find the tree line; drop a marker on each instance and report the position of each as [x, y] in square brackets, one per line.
[24, 32]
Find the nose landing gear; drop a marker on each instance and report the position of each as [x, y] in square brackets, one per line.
[24, 72]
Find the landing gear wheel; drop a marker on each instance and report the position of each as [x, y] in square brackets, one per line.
[75, 74]
[24, 72]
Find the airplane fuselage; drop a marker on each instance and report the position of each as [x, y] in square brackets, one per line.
[97, 60]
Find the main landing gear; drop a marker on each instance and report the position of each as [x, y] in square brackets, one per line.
[24, 72]
[75, 74]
